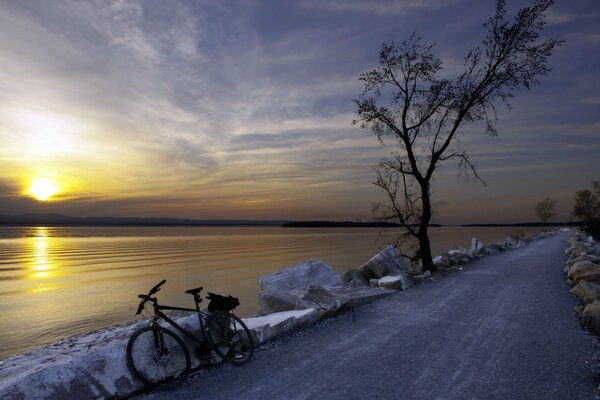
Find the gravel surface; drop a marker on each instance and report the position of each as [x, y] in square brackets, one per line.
[503, 328]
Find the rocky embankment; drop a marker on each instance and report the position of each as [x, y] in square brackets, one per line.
[94, 366]
[583, 274]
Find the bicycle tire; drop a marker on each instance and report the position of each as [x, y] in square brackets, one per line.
[229, 337]
[153, 364]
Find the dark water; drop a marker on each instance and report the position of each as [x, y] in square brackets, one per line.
[59, 281]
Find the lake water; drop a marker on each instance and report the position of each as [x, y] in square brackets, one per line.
[56, 282]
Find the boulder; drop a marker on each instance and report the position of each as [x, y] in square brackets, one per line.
[452, 258]
[476, 246]
[424, 276]
[489, 250]
[586, 257]
[374, 282]
[268, 326]
[500, 245]
[590, 317]
[323, 300]
[584, 270]
[361, 294]
[387, 262]
[275, 301]
[355, 277]
[580, 259]
[313, 272]
[279, 291]
[397, 282]
[576, 250]
[509, 242]
[443, 261]
[460, 258]
[458, 251]
[580, 266]
[588, 292]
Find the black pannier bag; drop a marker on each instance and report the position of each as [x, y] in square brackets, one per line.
[221, 303]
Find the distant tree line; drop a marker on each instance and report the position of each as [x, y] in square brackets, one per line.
[586, 208]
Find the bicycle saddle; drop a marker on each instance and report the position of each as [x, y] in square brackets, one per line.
[194, 292]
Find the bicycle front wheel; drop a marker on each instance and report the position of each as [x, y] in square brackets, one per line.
[156, 354]
[230, 337]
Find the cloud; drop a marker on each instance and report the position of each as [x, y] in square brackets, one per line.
[386, 7]
[246, 105]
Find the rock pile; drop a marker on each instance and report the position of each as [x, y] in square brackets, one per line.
[314, 284]
[457, 257]
[583, 274]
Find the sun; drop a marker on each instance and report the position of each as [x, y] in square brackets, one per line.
[43, 188]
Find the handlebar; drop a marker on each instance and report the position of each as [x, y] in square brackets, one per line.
[156, 288]
[148, 297]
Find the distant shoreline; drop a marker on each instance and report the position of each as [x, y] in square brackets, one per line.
[65, 220]
[349, 224]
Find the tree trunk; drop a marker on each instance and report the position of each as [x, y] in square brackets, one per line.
[424, 245]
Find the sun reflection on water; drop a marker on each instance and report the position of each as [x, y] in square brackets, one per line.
[43, 268]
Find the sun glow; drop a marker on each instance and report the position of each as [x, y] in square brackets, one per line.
[43, 269]
[43, 188]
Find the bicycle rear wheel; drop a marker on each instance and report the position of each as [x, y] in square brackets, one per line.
[230, 337]
[156, 354]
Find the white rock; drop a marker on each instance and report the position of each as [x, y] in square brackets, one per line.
[397, 282]
[313, 272]
[458, 251]
[279, 291]
[476, 245]
[271, 325]
[387, 262]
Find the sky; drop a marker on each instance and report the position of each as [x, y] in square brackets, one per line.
[243, 109]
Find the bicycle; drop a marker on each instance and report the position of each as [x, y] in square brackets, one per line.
[157, 354]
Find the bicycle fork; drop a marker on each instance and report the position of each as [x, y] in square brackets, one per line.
[161, 352]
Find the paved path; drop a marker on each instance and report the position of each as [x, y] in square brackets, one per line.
[504, 328]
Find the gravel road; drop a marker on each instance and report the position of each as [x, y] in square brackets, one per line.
[503, 328]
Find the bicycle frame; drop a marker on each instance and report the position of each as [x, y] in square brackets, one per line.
[158, 314]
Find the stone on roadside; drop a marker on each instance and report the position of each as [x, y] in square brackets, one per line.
[442, 261]
[374, 282]
[578, 249]
[268, 326]
[361, 294]
[324, 300]
[584, 270]
[355, 277]
[397, 282]
[460, 258]
[424, 276]
[300, 276]
[279, 291]
[588, 292]
[586, 257]
[387, 262]
[458, 251]
[274, 301]
[590, 317]
[489, 250]
[476, 246]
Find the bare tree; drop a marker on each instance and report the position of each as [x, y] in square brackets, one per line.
[587, 205]
[545, 210]
[406, 99]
